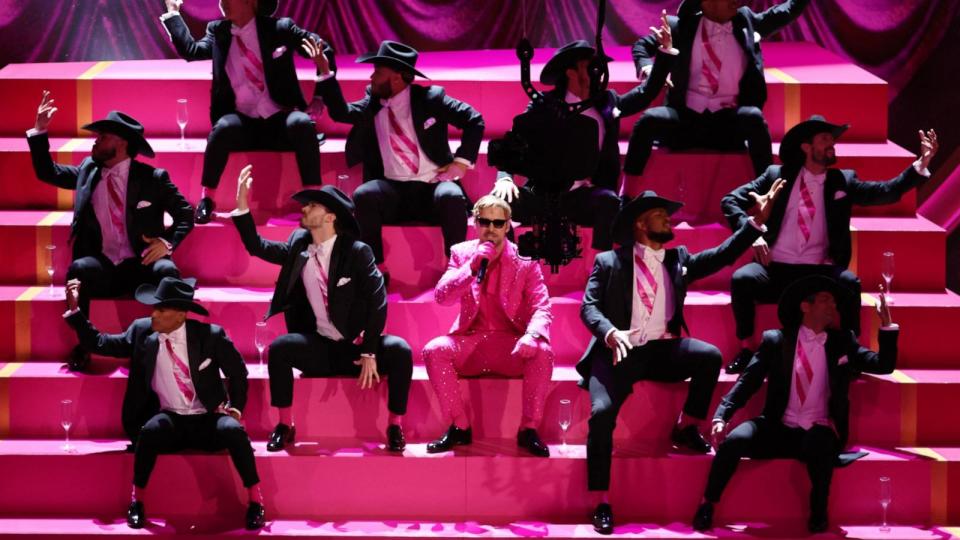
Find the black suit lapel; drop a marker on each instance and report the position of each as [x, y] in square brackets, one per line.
[223, 39]
[134, 185]
[266, 37]
[337, 259]
[624, 277]
[788, 350]
[194, 351]
[740, 34]
[417, 114]
[85, 190]
[151, 346]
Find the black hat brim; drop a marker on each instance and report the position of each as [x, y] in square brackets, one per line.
[389, 61]
[790, 151]
[266, 8]
[560, 61]
[147, 294]
[348, 223]
[788, 308]
[622, 228]
[134, 139]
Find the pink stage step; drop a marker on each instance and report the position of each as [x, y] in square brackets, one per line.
[902, 409]
[802, 79]
[489, 482]
[30, 327]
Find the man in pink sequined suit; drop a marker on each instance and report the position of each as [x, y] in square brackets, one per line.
[503, 327]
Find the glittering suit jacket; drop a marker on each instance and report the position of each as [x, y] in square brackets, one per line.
[523, 294]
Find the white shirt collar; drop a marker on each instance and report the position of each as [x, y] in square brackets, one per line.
[122, 169]
[397, 100]
[177, 336]
[649, 253]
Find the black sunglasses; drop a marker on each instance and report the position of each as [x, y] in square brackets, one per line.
[497, 223]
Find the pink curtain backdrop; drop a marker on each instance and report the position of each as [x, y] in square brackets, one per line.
[891, 38]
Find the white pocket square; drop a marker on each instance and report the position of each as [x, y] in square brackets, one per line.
[843, 360]
[839, 195]
[278, 52]
[683, 270]
[343, 281]
[429, 122]
[143, 204]
[205, 364]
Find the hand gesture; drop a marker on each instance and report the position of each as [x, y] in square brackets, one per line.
[506, 190]
[156, 249]
[883, 309]
[44, 112]
[928, 147]
[73, 294]
[173, 6]
[619, 341]
[526, 347]
[315, 51]
[717, 433]
[664, 35]
[244, 182]
[765, 202]
[368, 371]
[451, 172]
[485, 250]
[761, 251]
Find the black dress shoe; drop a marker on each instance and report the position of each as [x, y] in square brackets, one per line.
[453, 437]
[395, 440]
[204, 211]
[739, 362]
[136, 515]
[528, 439]
[690, 438]
[603, 519]
[254, 516]
[282, 435]
[703, 519]
[817, 523]
[78, 360]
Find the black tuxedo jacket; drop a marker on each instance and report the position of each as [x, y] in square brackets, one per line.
[150, 193]
[140, 344]
[432, 111]
[356, 294]
[841, 190]
[608, 299]
[774, 362]
[276, 36]
[753, 87]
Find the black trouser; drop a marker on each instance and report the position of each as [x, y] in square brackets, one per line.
[169, 432]
[382, 202]
[765, 439]
[100, 278]
[678, 129]
[317, 356]
[588, 205]
[283, 131]
[754, 283]
[666, 360]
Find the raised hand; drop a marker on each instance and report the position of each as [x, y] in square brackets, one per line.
[173, 6]
[928, 147]
[244, 182]
[664, 35]
[44, 112]
[315, 51]
[506, 190]
[765, 202]
[883, 309]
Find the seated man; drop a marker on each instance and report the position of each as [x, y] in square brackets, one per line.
[588, 201]
[718, 88]
[335, 306]
[633, 306]
[175, 399]
[400, 134]
[808, 366]
[255, 101]
[118, 234]
[503, 327]
[809, 229]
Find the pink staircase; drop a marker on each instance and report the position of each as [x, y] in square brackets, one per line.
[338, 480]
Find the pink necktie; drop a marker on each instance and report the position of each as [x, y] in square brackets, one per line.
[117, 206]
[253, 67]
[806, 206]
[402, 146]
[710, 69]
[803, 372]
[181, 371]
[646, 283]
[321, 277]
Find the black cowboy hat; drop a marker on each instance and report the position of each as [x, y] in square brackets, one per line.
[171, 292]
[395, 55]
[565, 57]
[124, 126]
[623, 223]
[266, 8]
[334, 200]
[788, 308]
[790, 151]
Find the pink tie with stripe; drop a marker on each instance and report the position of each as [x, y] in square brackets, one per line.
[402, 146]
[710, 69]
[806, 206]
[252, 66]
[321, 275]
[181, 371]
[117, 205]
[646, 283]
[802, 372]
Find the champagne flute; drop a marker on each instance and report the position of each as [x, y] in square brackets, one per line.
[182, 119]
[565, 418]
[260, 339]
[66, 420]
[886, 497]
[886, 270]
[49, 258]
[342, 181]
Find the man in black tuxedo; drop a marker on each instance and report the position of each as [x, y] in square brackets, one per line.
[633, 306]
[399, 133]
[718, 85]
[175, 399]
[809, 228]
[335, 305]
[255, 101]
[593, 200]
[119, 240]
[808, 367]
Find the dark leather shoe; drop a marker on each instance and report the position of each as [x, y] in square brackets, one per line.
[136, 515]
[703, 519]
[690, 438]
[817, 523]
[453, 437]
[395, 440]
[78, 360]
[282, 435]
[603, 519]
[528, 439]
[739, 362]
[254, 516]
[204, 212]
